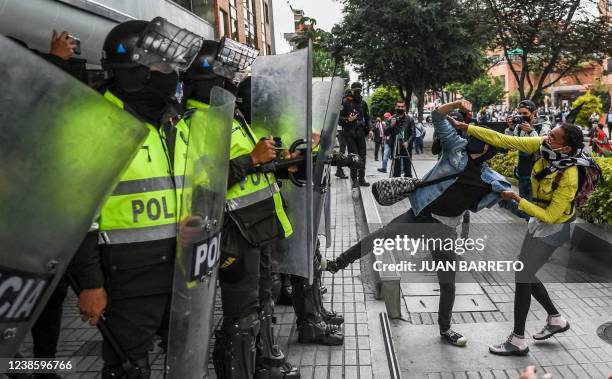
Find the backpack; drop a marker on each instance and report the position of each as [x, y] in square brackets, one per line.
[588, 179]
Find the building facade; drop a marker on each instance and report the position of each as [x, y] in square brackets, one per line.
[566, 89]
[246, 21]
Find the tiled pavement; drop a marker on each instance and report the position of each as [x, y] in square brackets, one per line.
[361, 357]
[578, 353]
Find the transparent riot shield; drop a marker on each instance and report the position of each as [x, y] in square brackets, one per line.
[281, 107]
[62, 150]
[326, 106]
[198, 251]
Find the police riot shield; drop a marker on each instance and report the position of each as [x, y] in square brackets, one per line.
[198, 250]
[281, 107]
[326, 106]
[63, 148]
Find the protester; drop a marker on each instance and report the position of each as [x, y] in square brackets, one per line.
[441, 207]
[389, 140]
[599, 141]
[355, 121]
[555, 184]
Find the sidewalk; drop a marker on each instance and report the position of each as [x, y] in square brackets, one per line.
[484, 313]
[361, 357]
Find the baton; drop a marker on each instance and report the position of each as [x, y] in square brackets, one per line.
[131, 370]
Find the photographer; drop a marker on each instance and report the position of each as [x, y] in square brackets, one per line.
[524, 124]
[404, 132]
[355, 122]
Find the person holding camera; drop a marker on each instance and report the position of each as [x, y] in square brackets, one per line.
[355, 122]
[524, 124]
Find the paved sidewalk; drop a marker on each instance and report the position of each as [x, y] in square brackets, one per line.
[484, 313]
[361, 357]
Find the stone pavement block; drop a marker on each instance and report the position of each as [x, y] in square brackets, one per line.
[499, 374]
[350, 357]
[335, 372]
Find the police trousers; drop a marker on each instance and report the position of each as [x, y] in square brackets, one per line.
[135, 321]
[247, 282]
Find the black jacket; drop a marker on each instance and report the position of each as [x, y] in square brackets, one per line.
[356, 105]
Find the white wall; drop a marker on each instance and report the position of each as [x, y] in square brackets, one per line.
[283, 23]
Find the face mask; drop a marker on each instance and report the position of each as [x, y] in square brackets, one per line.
[152, 100]
[202, 88]
[399, 111]
[357, 93]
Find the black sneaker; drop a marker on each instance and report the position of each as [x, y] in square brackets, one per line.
[363, 183]
[384, 171]
[341, 175]
[453, 337]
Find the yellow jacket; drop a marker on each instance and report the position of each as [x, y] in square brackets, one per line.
[549, 206]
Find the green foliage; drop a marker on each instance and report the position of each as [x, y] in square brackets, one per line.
[515, 98]
[602, 91]
[505, 163]
[591, 103]
[323, 62]
[413, 45]
[598, 209]
[546, 37]
[481, 92]
[383, 100]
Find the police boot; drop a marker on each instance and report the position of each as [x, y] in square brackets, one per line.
[140, 370]
[330, 317]
[310, 331]
[311, 327]
[271, 362]
[234, 352]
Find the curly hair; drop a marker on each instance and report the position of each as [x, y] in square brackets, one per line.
[573, 136]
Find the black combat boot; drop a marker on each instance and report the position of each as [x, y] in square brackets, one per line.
[234, 353]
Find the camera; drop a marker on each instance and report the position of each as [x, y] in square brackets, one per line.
[77, 43]
[518, 120]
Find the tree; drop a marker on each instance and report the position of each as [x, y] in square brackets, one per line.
[413, 45]
[590, 103]
[383, 100]
[481, 92]
[545, 40]
[323, 62]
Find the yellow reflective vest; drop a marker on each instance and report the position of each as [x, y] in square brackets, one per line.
[255, 187]
[144, 206]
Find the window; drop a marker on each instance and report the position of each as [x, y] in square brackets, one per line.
[185, 4]
[234, 20]
[223, 24]
[248, 7]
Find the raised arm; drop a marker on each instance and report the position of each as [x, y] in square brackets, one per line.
[526, 144]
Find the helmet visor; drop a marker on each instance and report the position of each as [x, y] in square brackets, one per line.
[166, 47]
[233, 57]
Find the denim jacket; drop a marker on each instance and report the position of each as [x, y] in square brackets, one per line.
[453, 160]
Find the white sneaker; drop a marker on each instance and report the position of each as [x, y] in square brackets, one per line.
[514, 345]
[554, 324]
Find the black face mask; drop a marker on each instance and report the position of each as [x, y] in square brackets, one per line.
[399, 111]
[151, 100]
[357, 93]
[200, 89]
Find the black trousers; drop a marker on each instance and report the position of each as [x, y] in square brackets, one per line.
[356, 144]
[250, 284]
[46, 330]
[414, 227]
[342, 142]
[403, 164]
[377, 148]
[534, 254]
[135, 321]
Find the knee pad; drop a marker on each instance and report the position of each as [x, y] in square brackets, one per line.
[234, 352]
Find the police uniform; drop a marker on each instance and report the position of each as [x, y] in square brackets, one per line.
[132, 252]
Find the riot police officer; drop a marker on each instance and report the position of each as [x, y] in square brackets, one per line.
[125, 265]
[254, 218]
